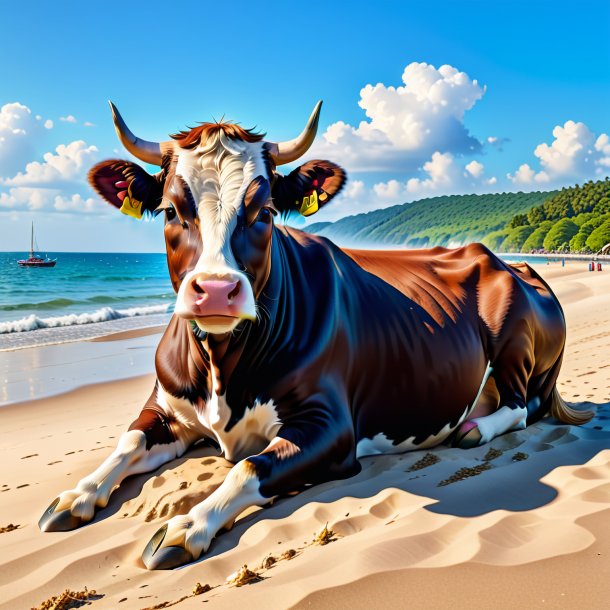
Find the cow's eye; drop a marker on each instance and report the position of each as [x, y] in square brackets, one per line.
[265, 215]
[170, 213]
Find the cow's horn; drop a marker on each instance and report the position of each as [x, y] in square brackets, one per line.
[285, 152]
[149, 152]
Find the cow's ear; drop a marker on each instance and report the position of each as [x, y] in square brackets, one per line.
[126, 186]
[309, 187]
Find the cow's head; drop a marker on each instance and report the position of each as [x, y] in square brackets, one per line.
[219, 192]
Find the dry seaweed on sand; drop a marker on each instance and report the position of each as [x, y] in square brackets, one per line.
[520, 456]
[465, 473]
[9, 528]
[244, 576]
[325, 536]
[428, 460]
[69, 599]
[198, 589]
[289, 554]
[268, 561]
[492, 454]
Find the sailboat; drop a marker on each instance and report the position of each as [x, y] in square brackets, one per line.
[34, 260]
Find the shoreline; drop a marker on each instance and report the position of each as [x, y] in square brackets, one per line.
[94, 331]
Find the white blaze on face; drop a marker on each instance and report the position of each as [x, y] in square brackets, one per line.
[218, 172]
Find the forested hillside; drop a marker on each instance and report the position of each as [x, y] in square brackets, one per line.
[575, 219]
[448, 220]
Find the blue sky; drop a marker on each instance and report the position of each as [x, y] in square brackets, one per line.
[534, 119]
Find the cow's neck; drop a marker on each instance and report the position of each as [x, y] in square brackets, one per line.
[250, 347]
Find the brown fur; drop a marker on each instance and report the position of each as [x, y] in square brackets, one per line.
[195, 135]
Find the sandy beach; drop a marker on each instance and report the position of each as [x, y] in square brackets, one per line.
[529, 530]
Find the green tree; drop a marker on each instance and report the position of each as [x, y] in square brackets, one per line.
[515, 239]
[536, 239]
[561, 232]
[599, 237]
[578, 243]
[495, 239]
[536, 216]
[518, 220]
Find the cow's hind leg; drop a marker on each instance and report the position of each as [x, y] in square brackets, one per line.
[149, 443]
[507, 404]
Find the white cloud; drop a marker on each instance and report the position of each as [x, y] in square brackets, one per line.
[19, 131]
[26, 198]
[406, 124]
[475, 169]
[68, 165]
[68, 119]
[442, 175]
[48, 124]
[76, 203]
[574, 154]
[89, 124]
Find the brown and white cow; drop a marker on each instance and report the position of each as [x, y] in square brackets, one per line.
[297, 357]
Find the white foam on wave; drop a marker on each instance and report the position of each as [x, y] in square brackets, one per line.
[33, 322]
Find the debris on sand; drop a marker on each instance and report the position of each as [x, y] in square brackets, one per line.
[465, 473]
[428, 460]
[269, 561]
[325, 536]
[243, 577]
[198, 589]
[520, 456]
[9, 528]
[289, 554]
[492, 454]
[69, 599]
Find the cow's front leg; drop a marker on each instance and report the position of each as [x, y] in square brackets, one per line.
[149, 443]
[298, 455]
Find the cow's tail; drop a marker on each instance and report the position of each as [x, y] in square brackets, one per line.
[552, 402]
[564, 413]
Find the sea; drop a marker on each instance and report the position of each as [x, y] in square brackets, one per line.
[85, 295]
[88, 295]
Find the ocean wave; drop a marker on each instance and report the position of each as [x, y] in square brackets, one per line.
[52, 304]
[104, 314]
[100, 299]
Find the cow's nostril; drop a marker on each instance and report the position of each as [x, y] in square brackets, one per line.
[235, 291]
[197, 288]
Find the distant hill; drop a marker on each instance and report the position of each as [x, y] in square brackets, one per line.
[446, 221]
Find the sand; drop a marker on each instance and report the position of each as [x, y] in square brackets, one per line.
[529, 531]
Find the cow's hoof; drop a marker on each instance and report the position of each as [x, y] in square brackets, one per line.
[468, 436]
[60, 521]
[158, 557]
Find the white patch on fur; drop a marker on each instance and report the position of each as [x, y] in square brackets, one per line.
[130, 457]
[250, 435]
[196, 530]
[188, 427]
[381, 444]
[218, 172]
[501, 421]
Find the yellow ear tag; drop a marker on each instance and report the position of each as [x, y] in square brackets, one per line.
[132, 207]
[309, 205]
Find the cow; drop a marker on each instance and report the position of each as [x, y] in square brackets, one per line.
[296, 357]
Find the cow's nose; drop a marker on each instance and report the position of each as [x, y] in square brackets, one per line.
[212, 293]
[216, 296]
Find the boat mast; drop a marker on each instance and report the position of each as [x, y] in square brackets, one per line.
[32, 242]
